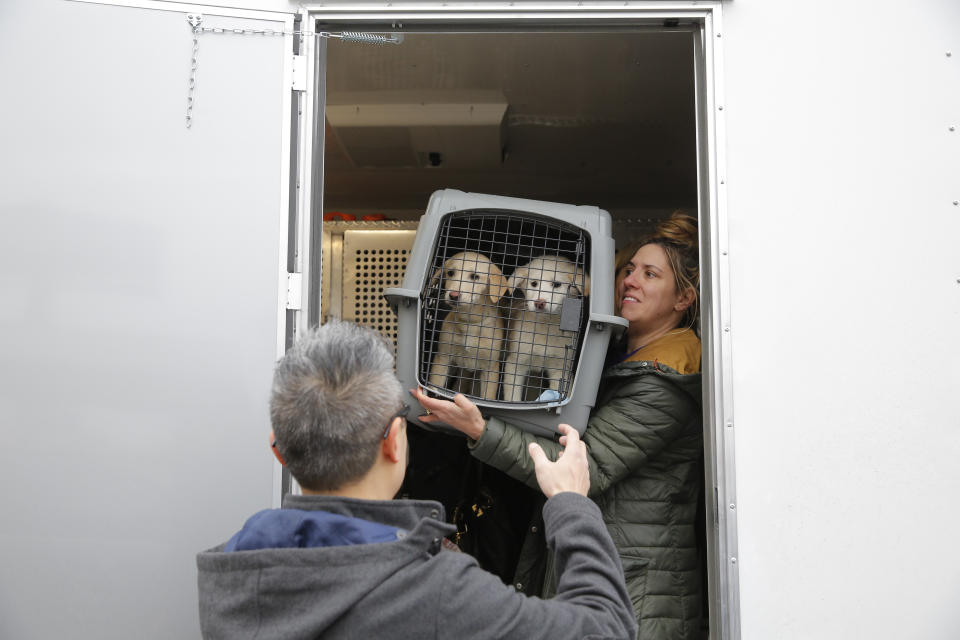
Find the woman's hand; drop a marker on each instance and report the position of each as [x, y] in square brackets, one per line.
[461, 414]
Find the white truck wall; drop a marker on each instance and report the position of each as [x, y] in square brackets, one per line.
[841, 173]
[139, 267]
[845, 304]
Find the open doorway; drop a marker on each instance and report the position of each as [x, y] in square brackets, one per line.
[604, 116]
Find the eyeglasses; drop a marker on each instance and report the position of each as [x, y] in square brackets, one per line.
[402, 413]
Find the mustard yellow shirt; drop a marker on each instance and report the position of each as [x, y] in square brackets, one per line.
[679, 349]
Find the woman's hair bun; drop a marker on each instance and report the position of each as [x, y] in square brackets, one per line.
[680, 229]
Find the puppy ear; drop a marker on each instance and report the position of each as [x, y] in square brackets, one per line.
[518, 279]
[497, 285]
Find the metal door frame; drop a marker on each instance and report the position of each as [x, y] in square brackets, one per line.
[705, 18]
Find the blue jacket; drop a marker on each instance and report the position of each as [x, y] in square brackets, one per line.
[288, 528]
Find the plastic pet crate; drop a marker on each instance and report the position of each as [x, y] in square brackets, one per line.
[510, 302]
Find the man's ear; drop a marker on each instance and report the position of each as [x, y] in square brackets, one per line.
[685, 299]
[394, 444]
[276, 452]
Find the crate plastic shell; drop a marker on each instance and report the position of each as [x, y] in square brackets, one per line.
[510, 232]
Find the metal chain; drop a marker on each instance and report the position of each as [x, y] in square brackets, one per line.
[196, 26]
[256, 32]
[346, 36]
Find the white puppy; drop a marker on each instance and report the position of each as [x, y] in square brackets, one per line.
[539, 350]
[471, 336]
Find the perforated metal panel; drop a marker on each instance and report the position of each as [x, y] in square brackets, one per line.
[373, 259]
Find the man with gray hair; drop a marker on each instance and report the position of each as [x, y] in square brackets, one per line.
[345, 560]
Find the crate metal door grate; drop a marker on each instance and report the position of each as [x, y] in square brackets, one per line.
[503, 311]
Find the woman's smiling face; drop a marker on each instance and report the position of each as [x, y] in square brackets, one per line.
[647, 293]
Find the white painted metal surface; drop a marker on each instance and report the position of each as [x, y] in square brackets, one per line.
[141, 267]
[294, 291]
[833, 181]
[845, 304]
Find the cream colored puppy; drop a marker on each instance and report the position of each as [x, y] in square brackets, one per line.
[538, 347]
[471, 335]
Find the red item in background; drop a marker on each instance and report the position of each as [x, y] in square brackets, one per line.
[336, 215]
[372, 217]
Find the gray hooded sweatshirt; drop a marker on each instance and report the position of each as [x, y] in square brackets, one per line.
[408, 586]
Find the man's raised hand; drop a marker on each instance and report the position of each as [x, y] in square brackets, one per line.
[570, 472]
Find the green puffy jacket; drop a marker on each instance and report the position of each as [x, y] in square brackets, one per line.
[644, 446]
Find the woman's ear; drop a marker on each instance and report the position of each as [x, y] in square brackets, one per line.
[685, 299]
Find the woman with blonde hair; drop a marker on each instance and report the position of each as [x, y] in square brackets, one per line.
[644, 438]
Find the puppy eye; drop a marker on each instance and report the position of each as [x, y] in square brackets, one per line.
[474, 276]
[556, 285]
[450, 273]
[534, 283]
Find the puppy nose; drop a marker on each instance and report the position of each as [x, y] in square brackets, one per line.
[540, 304]
[454, 295]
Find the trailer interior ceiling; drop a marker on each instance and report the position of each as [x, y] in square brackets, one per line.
[604, 118]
